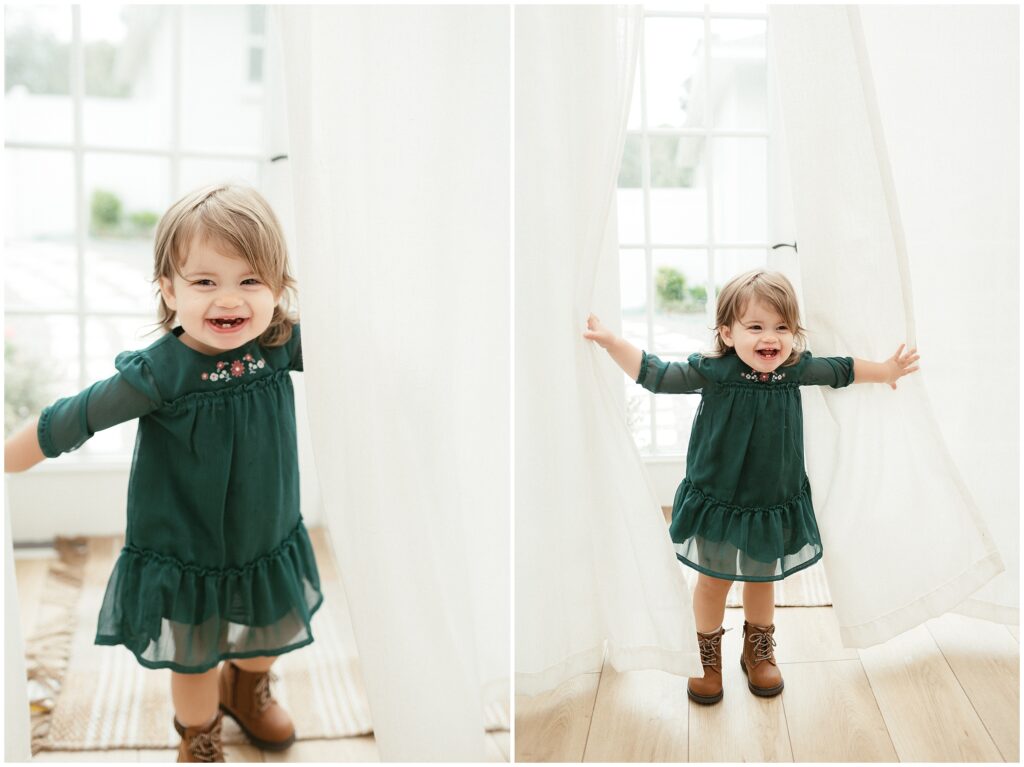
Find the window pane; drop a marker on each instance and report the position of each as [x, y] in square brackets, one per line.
[690, 6]
[197, 173]
[257, 19]
[40, 364]
[680, 299]
[630, 197]
[674, 416]
[737, 6]
[741, 172]
[738, 66]
[633, 289]
[638, 414]
[126, 196]
[678, 190]
[39, 239]
[128, 74]
[221, 111]
[37, 73]
[674, 68]
[729, 263]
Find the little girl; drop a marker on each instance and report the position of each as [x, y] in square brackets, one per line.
[743, 511]
[217, 564]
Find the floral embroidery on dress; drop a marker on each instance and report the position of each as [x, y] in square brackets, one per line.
[763, 377]
[234, 369]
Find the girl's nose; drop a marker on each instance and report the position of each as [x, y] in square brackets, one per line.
[228, 300]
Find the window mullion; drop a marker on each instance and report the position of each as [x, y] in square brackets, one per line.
[645, 183]
[712, 297]
[78, 131]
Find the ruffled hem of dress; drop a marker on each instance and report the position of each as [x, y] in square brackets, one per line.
[184, 617]
[762, 543]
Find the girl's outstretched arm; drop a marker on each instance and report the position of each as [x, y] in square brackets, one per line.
[888, 372]
[626, 356]
[21, 450]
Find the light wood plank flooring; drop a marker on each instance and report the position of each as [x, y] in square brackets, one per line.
[30, 571]
[946, 691]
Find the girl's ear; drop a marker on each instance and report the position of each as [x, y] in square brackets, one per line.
[724, 331]
[167, 291]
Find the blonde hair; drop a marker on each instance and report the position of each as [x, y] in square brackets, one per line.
[239, 218]
[770, 287]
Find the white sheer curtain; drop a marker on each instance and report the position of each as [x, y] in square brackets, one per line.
[17, 736]
[399, 129]
[594, 564]
[906, 528]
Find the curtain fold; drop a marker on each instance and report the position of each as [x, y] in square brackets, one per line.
[595, 569]
[399, 129]
[904, 538]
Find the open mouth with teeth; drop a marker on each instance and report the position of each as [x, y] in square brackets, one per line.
[768, 354]
[227, 323]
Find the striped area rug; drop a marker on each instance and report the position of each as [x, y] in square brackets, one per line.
[807, 588]
[108, 701]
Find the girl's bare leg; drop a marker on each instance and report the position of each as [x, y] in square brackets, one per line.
[709, 602]
[759, 602]
[195, 697]
[258, 665]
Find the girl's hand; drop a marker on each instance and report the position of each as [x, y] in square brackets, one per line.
[899, 365]
[597, 332]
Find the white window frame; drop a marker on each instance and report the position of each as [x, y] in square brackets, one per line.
[710, 134]
[78, 149]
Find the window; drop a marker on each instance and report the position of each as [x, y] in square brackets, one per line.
[112, 113]
[692, 190]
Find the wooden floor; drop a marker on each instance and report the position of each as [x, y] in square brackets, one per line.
[945, 691]
[30, 571]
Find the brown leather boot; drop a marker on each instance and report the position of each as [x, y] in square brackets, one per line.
[708, 689]
[245, 697]
[200, 744]
[758, 660]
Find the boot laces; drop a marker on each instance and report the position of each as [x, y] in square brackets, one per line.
[206, 746]
[709, 649]
[262, 691]
[763, 642]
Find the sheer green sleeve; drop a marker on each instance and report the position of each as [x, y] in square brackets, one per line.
[67, 423]
[836, 372]
[669, 377]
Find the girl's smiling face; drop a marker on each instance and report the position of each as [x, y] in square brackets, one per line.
[760, 336]
[220, 302]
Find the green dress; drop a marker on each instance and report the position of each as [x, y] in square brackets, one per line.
[743, 512]
[217, 562]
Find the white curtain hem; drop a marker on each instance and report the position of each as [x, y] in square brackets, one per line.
[622, 659]
[940, 601]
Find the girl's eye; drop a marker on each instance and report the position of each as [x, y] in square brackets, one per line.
[755, 327]
[203, 283]
[251, 281]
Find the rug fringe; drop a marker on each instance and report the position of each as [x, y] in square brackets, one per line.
[48, 648]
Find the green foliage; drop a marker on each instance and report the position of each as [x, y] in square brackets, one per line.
[674, 295]
[36, 59]
[105, 211]
[27, 387]
[108, 219]
[143, 221]
[670, 167]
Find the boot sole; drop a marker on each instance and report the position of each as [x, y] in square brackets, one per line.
[704, 700]
[267, 745]
[764, 692]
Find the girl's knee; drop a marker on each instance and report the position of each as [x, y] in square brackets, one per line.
[710, 583]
